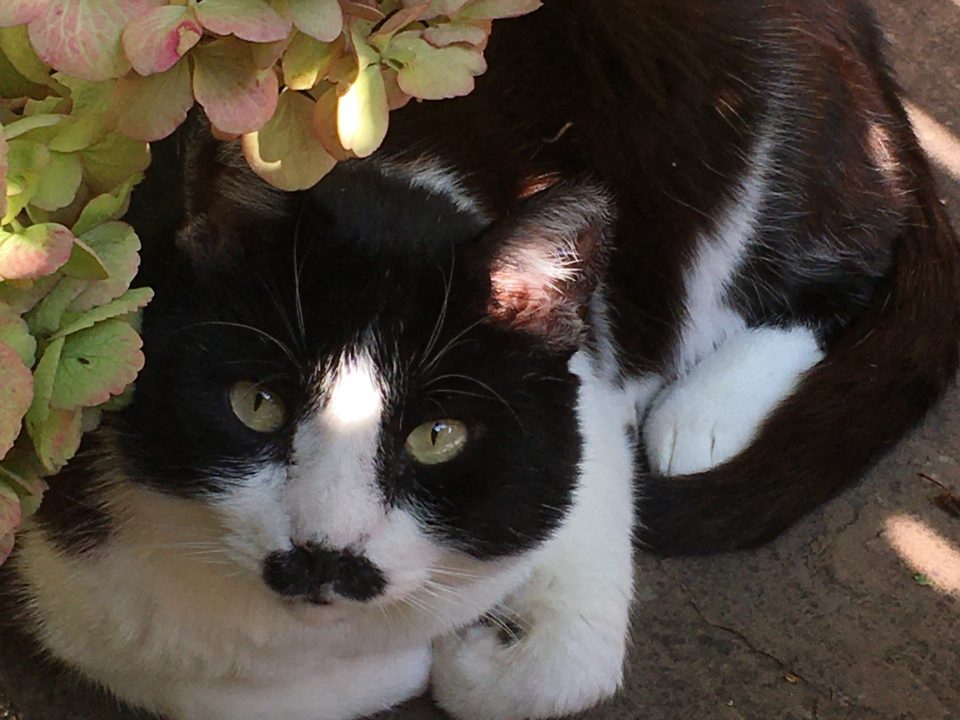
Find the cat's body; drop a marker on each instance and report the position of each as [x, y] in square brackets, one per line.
[660, 239]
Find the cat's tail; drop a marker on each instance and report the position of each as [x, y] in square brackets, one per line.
[875, 383]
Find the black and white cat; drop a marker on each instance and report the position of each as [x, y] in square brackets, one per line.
[675, 270]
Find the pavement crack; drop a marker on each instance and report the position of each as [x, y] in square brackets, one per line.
[787, 670]
[815, 550]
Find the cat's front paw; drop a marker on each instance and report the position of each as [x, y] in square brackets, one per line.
[533, 666]
[713, 413]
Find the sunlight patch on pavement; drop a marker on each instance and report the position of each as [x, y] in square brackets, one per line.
[926, 551]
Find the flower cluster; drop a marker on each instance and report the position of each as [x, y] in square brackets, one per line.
[86, 85]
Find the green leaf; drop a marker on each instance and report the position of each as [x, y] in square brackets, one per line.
[363, 12]
[155, 106]
[82, 38]
[26, 124]
[119, 402]
[13, 84]
[129, 302]
[320, 19]
[306, 61]
[267, 55]
[922, 580]
[431, 73]
[77, 132]
[108, 206]
[252, 20]
[325, 123]
[398, 21]
[47, 105]
[4, 168]
[22, 474]
[15, 43]
[35, 251]
[84, 263]
[92, 114]
[96, 363]
[15, 333]
[58, 437]
[118, 247]
[22, 295]
[450, 33]
[46, 317]
[113, 161]
[286, 152]
[156, 40]
[16, 393]
[59, 182]
[237, 96]
[445, 7]
[26, 161]
[362, 113]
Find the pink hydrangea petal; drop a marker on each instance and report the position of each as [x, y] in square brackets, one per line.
[320, 19]
[10, 518]
[252, 20]
[6, 546]
[286, 152]
[20, 12]
[237, 96]
[82, 37]
[440, 7]
[156, 40]
[16, 393]
[36, 251]
[451, 33]
[153, 107]
[3, 174]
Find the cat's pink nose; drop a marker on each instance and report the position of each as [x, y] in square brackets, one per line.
[318, 574]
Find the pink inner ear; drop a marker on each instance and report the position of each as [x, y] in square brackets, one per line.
[535, 292]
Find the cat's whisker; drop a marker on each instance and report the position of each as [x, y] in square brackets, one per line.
[450, 345]
[485, 386]
[459, 573]
[274, 294]
[297, 272]
[442, 316]
[244, 326]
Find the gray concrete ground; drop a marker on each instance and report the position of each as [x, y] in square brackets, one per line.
[853, 615]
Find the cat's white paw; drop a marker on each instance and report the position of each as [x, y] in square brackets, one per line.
[714, 412]
[561, 662]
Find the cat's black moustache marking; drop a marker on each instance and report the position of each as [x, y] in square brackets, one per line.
[314, 573]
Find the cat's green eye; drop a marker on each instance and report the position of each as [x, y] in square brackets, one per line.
[437, 441]
[257, 407]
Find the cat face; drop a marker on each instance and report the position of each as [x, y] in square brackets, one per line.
[366, 381]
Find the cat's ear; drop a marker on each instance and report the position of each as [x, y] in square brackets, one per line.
[546, 262]
[224, 200]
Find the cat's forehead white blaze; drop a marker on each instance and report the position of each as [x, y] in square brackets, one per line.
[353, 392]
[333, 494]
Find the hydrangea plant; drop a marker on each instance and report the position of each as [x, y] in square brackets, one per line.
[86, 85]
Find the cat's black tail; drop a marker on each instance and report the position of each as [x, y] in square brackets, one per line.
[875, 383]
